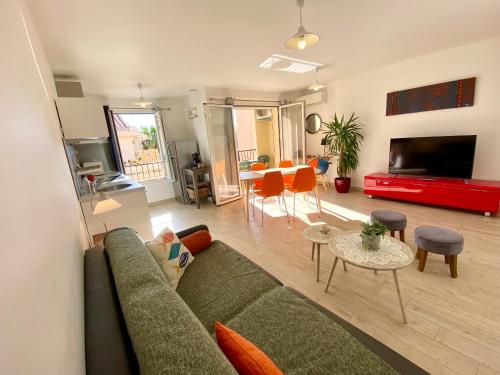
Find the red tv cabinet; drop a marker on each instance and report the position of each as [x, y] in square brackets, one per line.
[475, 195]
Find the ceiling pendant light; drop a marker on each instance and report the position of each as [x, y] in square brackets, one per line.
[316, 85]
[302, 38]
[141, 102]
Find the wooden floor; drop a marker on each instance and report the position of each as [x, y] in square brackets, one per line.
[453, 324]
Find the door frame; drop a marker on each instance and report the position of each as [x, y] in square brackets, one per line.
[211, 149]
[280, 124]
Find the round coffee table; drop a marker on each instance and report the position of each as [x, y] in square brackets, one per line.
[392, 255]
[317, 238]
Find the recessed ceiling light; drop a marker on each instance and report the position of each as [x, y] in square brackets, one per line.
[289, 64]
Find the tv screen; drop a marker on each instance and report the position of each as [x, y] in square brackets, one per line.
[451, 156]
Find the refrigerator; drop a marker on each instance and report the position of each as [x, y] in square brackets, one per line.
[180, 153]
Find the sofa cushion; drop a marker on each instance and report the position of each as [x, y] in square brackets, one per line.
[220, 283]
[301, 340]
[197, 241]
[166, 336]
[246, 358]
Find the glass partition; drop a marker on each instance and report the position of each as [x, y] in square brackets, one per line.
[223, 152]
[292, 132]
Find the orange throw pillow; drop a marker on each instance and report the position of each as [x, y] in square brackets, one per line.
[197, 241]
[246, 358]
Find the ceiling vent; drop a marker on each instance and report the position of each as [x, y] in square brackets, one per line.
[69, 89]
[289, 64]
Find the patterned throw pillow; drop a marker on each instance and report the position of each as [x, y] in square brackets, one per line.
[172, 256]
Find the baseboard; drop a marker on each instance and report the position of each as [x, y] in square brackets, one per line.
[168, 200]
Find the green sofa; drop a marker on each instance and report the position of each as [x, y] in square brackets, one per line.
[172, 331]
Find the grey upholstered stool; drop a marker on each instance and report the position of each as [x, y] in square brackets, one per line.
[438, 241]
[393, 220]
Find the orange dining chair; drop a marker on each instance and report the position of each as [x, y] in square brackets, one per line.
[314, 163]
[287, 179]
[286, 164]
[256, 183]
[272, 186]
[304, 182]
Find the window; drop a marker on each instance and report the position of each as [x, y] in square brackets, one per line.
[141, 146]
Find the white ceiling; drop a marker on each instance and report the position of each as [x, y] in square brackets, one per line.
[173, 46]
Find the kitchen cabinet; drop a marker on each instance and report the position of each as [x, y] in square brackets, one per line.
[82, 117]
[134, 213]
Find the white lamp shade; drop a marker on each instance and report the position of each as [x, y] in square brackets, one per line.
[316, 86]
[143, 103]
[302, 39]
[106, 205]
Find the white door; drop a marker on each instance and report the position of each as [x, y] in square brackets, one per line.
[293, 133]
[223, 157]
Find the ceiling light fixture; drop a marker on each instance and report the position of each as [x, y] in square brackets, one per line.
[302, 38]
[316, 85]
[141, 102]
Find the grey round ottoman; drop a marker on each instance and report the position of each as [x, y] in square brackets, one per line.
[393, 220]
[438, 241]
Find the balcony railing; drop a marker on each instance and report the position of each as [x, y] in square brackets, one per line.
[146, 171]
[246, 154]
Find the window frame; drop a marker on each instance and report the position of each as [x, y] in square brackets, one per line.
[162, 140]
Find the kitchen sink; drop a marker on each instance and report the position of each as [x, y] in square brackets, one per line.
[113, 187]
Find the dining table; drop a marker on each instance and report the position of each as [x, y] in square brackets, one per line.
[247, 178]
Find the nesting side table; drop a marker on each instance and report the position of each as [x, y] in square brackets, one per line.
[392, 256]
[317, 238]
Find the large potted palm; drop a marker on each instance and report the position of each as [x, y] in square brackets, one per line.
[343, 139]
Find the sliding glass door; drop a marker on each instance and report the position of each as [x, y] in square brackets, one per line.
[223, 157]
[292, 133]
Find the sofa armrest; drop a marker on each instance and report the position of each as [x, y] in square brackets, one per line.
[108, 349]
[187, 232]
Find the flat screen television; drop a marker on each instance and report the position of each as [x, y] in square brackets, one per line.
[450, 156]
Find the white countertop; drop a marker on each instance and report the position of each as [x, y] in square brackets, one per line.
[122, 179]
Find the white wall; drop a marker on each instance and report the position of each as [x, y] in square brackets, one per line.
[198, 124]
[245, 129]
[158, 190]
[316, 102]
[366, 93]
[175, 121]
[41, 272]
[215, 94]
[176, 127]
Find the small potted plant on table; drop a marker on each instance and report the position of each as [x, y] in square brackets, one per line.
[371, 234]
[343, 139]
